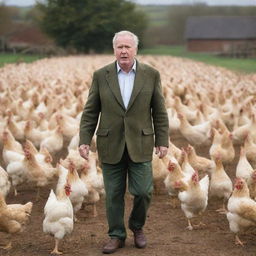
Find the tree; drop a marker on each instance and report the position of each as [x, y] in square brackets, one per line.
[5, 19]
[89, 25]
[5, 25]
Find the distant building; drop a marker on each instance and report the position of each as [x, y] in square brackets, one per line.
[229, 35]
[25, 38]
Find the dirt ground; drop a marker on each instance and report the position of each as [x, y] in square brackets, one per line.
[165, 229]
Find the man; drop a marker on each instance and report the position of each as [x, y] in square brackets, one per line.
[128, 97]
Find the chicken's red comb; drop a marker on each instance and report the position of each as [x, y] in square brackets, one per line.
[171, 166]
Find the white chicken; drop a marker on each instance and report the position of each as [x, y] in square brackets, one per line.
[54, 142]
[5, 184]
[195, 134]
[79, 189]
[74, 156]
[74, 142]
[250, 149]
[241, 209]
[193, 196]
[58, 212]
[190, 115]
[68, 125]
[91, 175]
[174, 122]
[187, 169]
[42, 121]
[16, 171]
[239, 133]
[16, 128]
[243, 169]
[34, 134]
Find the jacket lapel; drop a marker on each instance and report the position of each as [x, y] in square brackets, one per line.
[139, 82]
[112, 79]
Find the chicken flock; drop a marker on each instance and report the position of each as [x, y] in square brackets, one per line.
[40, 110]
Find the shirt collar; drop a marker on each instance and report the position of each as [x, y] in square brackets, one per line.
[133, 67]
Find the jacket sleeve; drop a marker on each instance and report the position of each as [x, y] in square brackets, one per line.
[159, 114]
[90, 114]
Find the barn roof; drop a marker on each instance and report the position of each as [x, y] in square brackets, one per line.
[219, 27]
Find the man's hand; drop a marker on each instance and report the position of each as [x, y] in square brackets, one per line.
[161, 151]
[84, 151]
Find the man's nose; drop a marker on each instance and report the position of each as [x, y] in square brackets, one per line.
[123, 50]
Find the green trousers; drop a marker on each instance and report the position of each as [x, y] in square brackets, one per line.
[140, 185]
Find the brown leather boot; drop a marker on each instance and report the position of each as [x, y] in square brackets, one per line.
[112, 245]
[139, 238]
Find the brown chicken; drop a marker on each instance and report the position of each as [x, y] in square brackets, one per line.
[198, 162]
[175, 174]
[252, 185]
[223, 146]
[12, 149]
[13, 217]
[91, 175]
[36, 172]
[220, 184]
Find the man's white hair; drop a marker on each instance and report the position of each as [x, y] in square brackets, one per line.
[123, 33]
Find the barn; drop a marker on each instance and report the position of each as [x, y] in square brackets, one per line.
[229, 35]
[25, 38]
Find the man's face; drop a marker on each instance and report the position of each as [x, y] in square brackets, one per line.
[125, 51]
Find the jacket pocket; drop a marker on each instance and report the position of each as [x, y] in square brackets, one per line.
[147, 131]
[147, 141]
[102, 141]
[102, 132]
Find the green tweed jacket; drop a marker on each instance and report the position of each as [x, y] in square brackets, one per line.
[143, 125]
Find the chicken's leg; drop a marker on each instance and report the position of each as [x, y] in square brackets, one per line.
[174, 202]
[201, 224]
[15, 191]
[38, 194]
[7, 246]
[95, 213]
[238, 241]
[189, 227]
[56, 248]
[223, 210]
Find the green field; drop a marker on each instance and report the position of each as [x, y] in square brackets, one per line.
[17, 58]
[242, 65]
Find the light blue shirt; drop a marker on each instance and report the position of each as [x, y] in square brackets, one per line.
[126, 81]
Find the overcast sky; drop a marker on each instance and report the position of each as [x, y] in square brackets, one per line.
[210, 2]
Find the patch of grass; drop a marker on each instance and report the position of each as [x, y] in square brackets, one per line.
[17, 58]
[241, 65]
[158, 15]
